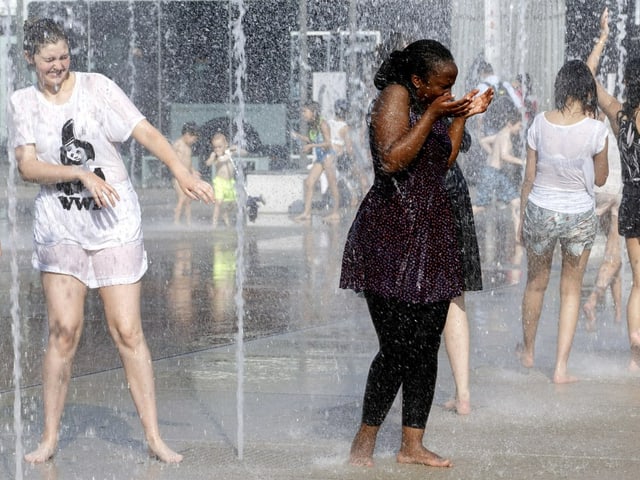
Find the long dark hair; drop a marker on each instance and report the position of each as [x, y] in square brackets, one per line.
[418, 58]
[40, 32]
[315, 109]
[632, 89]
[575, 81]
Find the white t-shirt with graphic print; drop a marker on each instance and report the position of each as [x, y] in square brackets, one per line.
[85, 130]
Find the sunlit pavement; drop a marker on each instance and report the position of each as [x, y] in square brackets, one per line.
[304, 363]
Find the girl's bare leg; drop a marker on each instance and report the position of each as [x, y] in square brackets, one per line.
[633, 304]
[216, 212]
[570, 287]
[608, 276]
[65, 298]
[181, 205]
[616, 293]
[187, 211]
[122, 309]
[309, 183]
[456, 341]
[538, 270]
[332, 180]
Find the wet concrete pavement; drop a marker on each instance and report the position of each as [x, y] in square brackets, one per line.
[308, 347]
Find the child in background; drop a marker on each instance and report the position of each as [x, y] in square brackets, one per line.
[224, 183]
[493, 181]
[182, 146]
[318, 141]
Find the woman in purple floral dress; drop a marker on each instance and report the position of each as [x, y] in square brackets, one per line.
[402, 251]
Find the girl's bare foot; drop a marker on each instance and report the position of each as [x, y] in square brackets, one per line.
[162, 452]
[303, 217]
[332, 218]
[563, 378]
[422, 456]
[362, 446]
[461, 407]
[526, 359]
[41, 454]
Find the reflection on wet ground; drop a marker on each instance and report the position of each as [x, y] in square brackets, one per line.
[305, 370]
[188, 296]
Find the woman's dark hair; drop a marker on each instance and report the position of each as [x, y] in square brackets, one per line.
[575, 82]
[524, 79]
[632, 89]
[38, 33]
[315, 108]
[418, 58]
[191, 128]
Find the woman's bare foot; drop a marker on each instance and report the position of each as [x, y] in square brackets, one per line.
[162, 452]
[526, 359]
[564, 378]
[422, 456]
[332, 218]
[589, 309]
[461, 407]
[41, 454]
[362, 446]
[304, 217]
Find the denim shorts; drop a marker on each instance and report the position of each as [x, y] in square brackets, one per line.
[321, 154]
[494, 182]
[543, 228]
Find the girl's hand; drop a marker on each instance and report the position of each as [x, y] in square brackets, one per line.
[604, 24]
[196, 189]
[479, 103]
[103, 193]
[447, 106]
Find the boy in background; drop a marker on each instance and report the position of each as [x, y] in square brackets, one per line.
[224, 184]
[182, 147]
[493, 182]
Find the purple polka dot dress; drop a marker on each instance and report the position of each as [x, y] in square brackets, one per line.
[402, 243]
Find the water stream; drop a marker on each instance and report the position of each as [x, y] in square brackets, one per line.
[239, 140]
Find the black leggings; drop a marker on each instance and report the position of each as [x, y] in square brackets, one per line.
[409, 338]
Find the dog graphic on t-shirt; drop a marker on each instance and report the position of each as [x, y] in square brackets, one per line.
[75, 152]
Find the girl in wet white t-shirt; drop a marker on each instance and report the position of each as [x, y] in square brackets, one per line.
[64, 133]
[566, 159]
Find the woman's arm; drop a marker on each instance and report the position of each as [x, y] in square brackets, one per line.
[487, 143]
[601, 165]
[506, 151]
[456, 133]
[33, 170]
[397, 142]
[150, 138]
[478, 104]
[300, 137]
[607, 102]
